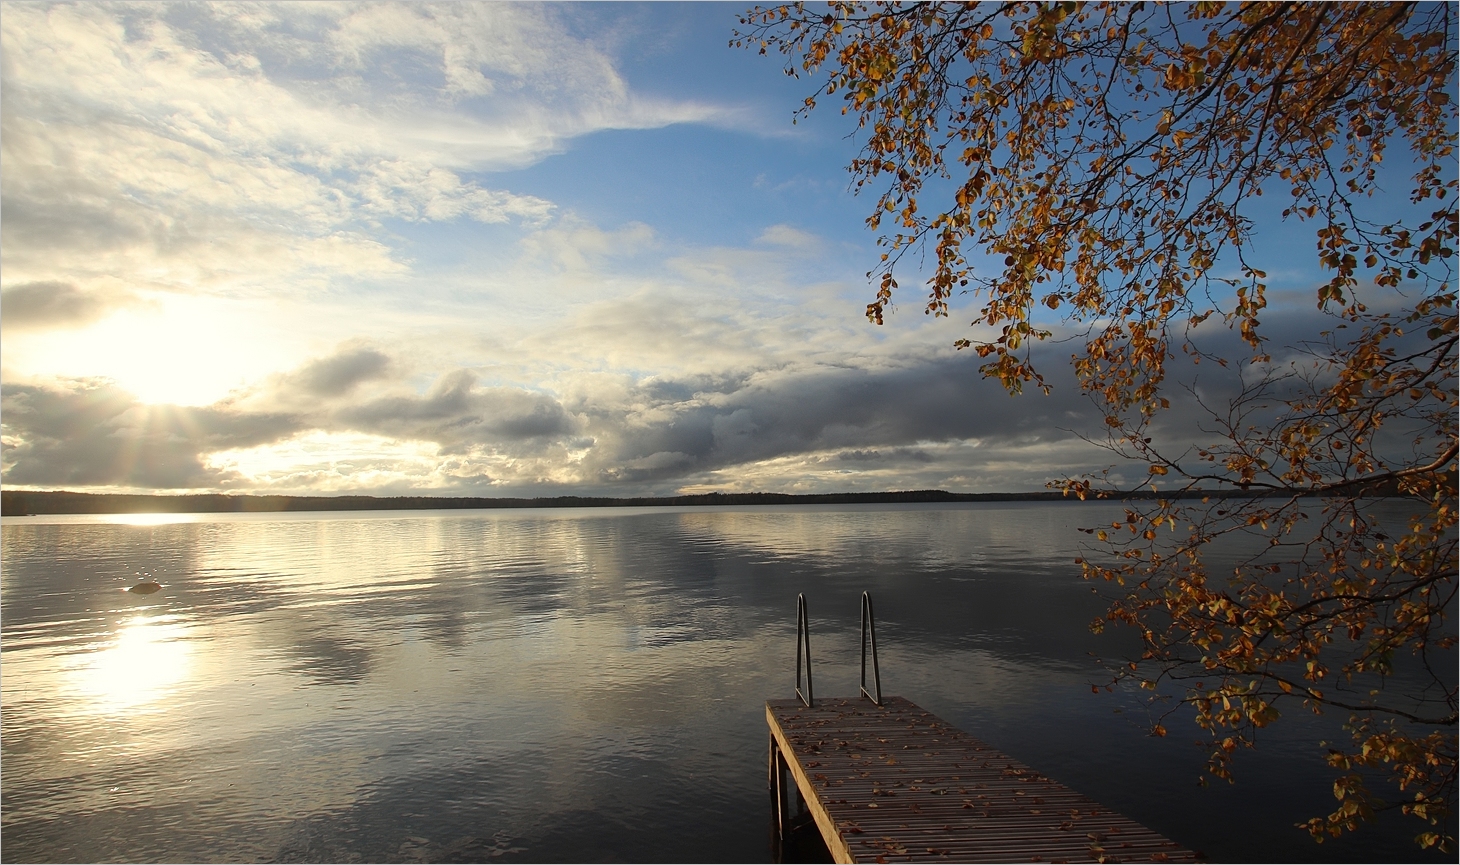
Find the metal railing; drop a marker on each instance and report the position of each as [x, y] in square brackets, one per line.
[803, 651]
[869, 628]
[803, 638]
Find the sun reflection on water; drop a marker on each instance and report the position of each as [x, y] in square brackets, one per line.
[150, 656]
[150, 519]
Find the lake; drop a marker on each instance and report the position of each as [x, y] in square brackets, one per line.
[559, 685]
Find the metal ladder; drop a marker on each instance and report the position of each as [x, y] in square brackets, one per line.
[803, 650]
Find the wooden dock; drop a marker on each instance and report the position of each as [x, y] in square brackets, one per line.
[895, 783]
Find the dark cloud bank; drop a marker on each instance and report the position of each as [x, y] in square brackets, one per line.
[53, 304]
[914, 423]
[91, 433]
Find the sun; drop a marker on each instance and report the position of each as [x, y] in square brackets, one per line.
[178, 350]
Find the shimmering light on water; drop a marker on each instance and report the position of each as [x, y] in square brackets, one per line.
[147, 519]
[147, 659]
[552, 685]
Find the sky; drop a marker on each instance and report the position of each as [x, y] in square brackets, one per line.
[487, 249]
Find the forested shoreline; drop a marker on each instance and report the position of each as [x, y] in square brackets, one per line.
[22, 503]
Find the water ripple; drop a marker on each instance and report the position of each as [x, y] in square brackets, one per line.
[534, 685]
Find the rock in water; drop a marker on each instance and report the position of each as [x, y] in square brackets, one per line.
[146, 587]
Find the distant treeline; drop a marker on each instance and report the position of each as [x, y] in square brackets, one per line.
[19, 503]
[14, 502]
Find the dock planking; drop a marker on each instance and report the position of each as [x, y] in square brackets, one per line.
[896, 783]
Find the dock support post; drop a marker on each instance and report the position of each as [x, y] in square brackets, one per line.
[790, 812]
[777, 783]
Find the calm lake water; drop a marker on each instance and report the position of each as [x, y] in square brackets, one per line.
[557, 685]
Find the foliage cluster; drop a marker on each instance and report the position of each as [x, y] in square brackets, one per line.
[1109, 158]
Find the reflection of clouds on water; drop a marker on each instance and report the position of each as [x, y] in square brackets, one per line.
[554, 685]
[936, 536]
[327, 660]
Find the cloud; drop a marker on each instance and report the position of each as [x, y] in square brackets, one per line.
[52, 304]
[703, 375]
[788, 236]
[351, 420]
[340, 373]
[250, 147]
[578, 248]
[491, 61]
[457, 415]
[100, 180]
[706, 368]
[876, 456]
[841, 414]
[91, 433]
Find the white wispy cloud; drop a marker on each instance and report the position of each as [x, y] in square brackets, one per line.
[255, 146]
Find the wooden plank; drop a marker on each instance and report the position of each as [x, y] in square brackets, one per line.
[899, 784]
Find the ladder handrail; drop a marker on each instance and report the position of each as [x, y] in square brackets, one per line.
[803, 637]
[869, 626]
